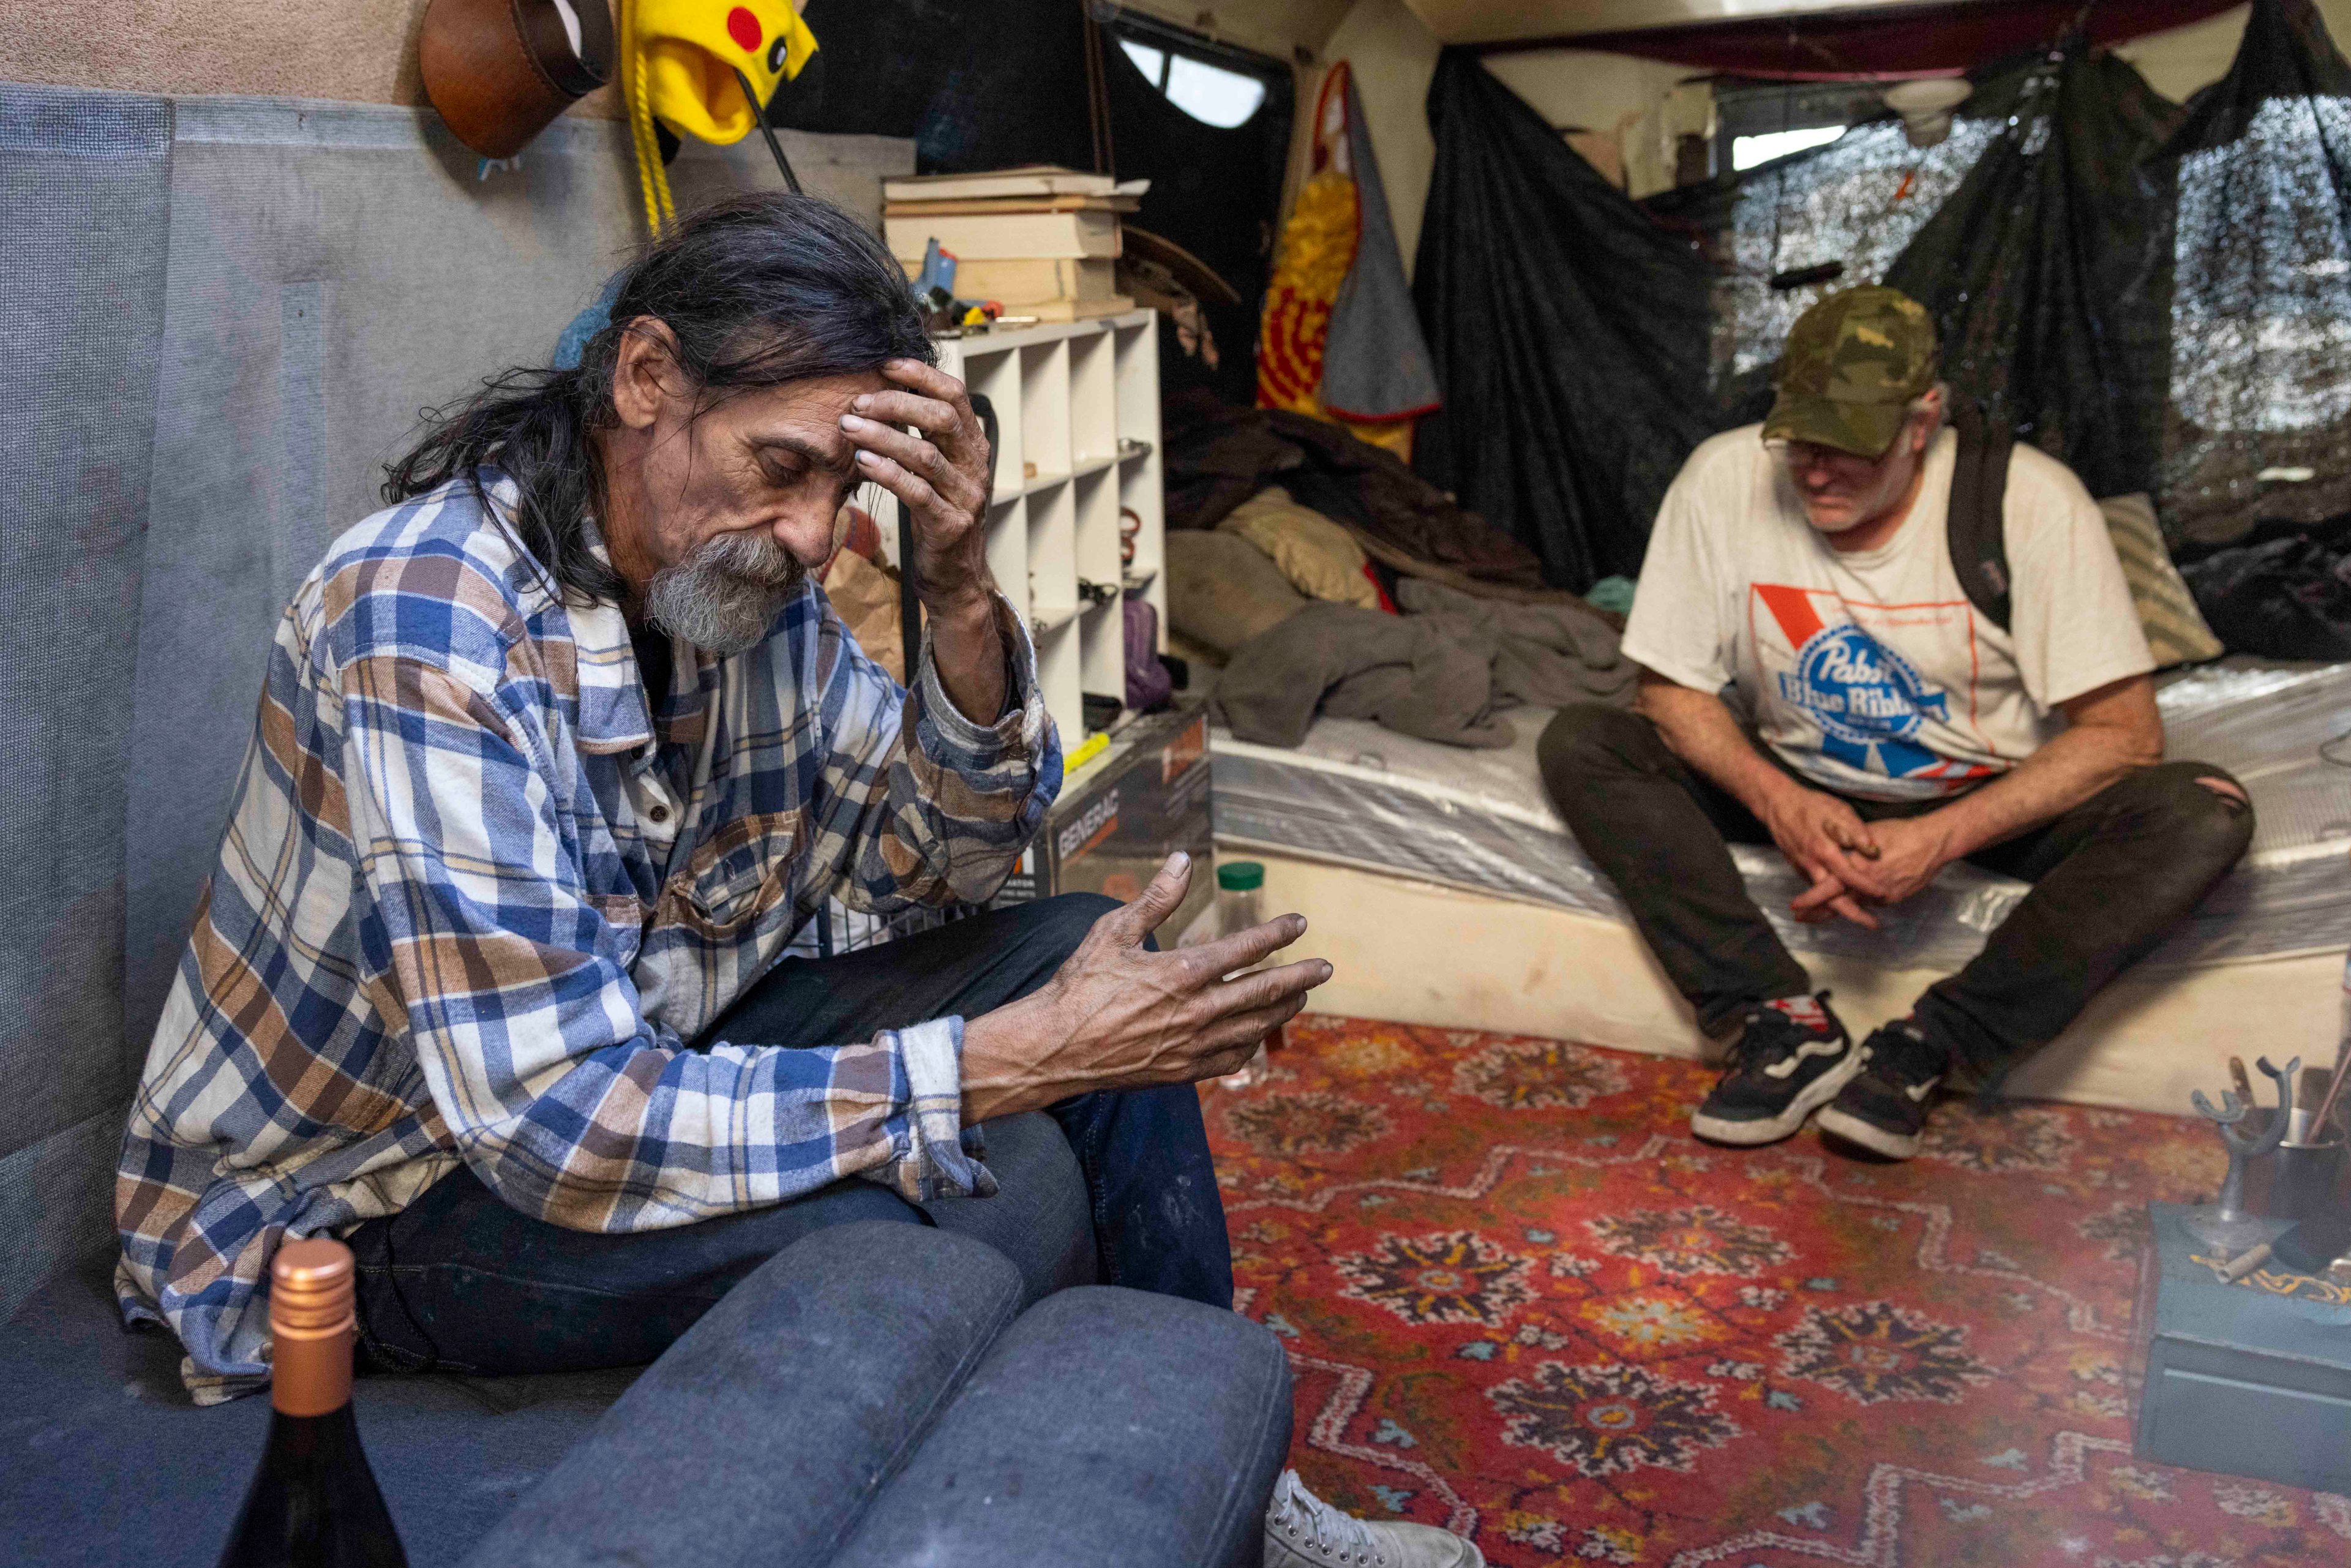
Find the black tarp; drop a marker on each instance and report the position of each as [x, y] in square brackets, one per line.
[1857, 202]
[2160, 297]
[978, 84]
[2048, 272]
[1569, 331]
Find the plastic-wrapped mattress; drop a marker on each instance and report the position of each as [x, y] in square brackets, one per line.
[1360, 795]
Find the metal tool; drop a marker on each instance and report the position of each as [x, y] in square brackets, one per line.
[2228, 1223]
[2299, 1127]
[775, 148]
[2333, 1090]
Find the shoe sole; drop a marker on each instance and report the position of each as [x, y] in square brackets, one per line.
[1851, 1129]
[1771, 1130]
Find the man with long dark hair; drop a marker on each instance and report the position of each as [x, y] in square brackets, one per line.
[555, 757]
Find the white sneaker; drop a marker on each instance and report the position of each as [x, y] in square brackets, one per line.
[1301, 1530]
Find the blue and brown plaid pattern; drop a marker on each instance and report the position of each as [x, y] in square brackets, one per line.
[474, 899]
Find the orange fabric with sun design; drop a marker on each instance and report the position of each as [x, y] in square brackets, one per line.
[1309, 268]
[678, 60]
[1318, 246]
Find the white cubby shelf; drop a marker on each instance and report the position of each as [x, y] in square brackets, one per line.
[1077, 409]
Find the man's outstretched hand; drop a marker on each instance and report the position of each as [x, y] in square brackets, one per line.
[1117, 1016]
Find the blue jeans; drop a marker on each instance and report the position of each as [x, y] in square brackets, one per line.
[458, 1279]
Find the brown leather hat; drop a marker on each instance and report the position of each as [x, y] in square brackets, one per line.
[499, 71]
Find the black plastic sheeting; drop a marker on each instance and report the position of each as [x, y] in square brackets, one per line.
[2283, 598]
[2159, 298]
[2045, 270]
[1569, 331]
[978, 84]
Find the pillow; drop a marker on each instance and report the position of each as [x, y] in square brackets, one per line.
[2176, 630]
[1320, 558]
[1222, 590]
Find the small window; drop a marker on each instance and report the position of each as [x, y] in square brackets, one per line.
[1210, 94]
[1151, 62]
[1757, 122]
[1747, 151]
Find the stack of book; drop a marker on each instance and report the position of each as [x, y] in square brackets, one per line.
[1041, 241]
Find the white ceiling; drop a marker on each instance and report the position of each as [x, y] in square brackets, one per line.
[1270, 26]
[1497, 21]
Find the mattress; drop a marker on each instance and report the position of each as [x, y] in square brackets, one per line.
[1358, 795]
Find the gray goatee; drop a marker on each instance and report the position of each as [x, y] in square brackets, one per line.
[725, 596]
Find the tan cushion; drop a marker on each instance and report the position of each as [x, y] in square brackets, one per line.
[1222, 590]
[1320, 558]
[2176, 630]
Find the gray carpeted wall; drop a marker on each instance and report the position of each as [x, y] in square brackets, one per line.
[218, 318]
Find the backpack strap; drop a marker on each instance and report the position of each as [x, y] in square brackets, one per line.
[1978, 518]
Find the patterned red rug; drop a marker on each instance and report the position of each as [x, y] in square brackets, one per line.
[1520, 1300]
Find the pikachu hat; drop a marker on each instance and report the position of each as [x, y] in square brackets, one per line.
[679, 60]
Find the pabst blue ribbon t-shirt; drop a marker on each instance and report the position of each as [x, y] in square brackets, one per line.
[1870, 672]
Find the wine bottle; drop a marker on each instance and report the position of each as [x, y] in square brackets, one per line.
[313, 1502]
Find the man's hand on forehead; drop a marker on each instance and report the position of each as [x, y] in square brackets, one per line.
[942, 472]
[932, 402]
[943, 469]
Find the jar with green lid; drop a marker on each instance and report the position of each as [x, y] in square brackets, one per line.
[1240, 904]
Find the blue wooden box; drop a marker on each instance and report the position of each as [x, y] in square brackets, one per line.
[2249, 1379]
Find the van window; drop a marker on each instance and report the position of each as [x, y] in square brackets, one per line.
[1208, 93]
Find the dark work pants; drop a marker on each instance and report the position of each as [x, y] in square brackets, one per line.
[461, 1281]
[2109, 877]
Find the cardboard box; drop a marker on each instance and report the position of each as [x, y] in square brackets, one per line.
[1123, 814]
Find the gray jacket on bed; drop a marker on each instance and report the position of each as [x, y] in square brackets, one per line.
[1442, 672]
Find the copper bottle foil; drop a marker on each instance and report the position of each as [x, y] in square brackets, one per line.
[311, 1290]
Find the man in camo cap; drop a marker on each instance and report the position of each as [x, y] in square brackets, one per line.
[1883, 728]
[1853, 366]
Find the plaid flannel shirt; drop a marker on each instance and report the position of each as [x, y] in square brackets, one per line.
[473, 900]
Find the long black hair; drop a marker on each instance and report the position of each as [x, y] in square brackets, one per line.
[756, 290]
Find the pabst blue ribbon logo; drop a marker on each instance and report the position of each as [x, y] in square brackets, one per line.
[1869, 700]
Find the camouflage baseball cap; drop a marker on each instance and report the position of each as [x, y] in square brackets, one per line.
[1853, 365]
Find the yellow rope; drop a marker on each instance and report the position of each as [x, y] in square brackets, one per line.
[652, 178]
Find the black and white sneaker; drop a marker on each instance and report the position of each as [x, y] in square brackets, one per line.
[1791, 1058]
[1884, 1109]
